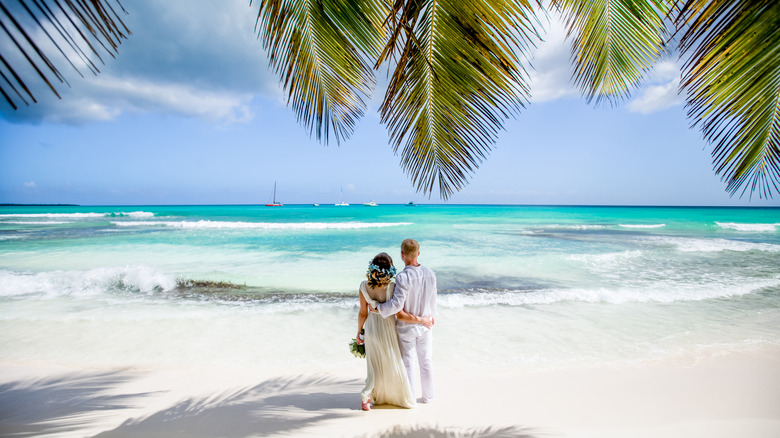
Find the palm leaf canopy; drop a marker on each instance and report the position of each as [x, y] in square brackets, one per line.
[458, 75]
[76, 28]
[732, 79]
[614, 42]
[323, 51]
[457, 68]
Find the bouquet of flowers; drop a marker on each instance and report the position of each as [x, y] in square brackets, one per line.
[358, 350]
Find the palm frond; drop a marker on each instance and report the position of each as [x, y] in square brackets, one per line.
[77, 25]
[319, 49]
[615, 42]
[458, 77]
[732, 80]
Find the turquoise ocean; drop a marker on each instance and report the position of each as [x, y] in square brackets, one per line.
[275, 288]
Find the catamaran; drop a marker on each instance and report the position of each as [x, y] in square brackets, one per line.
[274, 204]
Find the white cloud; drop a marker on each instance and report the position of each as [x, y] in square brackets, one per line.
[106, 97]
[204, 62]
[666, 71]
[78, 110]
[30, 184]
[661, 93]
[550, 77]
[138, 94]
[656, 98]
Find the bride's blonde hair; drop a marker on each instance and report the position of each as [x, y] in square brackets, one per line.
[380, 270]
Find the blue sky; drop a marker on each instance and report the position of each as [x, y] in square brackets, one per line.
[190, 113]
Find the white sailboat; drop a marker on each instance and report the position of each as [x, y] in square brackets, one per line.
[274, 203]
[341, 200]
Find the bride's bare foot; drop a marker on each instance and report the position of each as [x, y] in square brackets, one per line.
[366, 406]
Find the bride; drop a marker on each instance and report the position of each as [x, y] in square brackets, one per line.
[386, 379]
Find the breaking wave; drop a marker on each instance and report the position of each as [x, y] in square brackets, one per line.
[755, 228]
[690, 244]
[207, 224]
[133, 214]
[150, 281]
[658, 294]
[642, 225]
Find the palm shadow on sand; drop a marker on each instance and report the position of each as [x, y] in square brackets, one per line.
[280, 405]
[453, 432]
[71, 403]
[61, 405]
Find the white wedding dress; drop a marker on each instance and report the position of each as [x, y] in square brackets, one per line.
[386, 379]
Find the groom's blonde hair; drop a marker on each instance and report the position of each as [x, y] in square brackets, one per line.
[410, 247]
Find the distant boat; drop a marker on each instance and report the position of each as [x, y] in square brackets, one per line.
[274, 204]
[341, 201]
[316, 205]
[411, 204]
[371, 204]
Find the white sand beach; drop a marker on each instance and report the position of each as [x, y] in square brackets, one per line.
[734, 395]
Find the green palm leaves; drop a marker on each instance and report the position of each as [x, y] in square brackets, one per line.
[76, 27]
[732, 78]
[458, 76]
[320, 49]
[731, 74]
[615, 43]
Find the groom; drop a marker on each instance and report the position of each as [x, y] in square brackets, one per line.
[415, 292]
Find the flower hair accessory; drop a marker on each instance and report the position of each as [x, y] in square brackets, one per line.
[379, 276]
[389, 272]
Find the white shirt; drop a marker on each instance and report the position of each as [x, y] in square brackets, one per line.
[415, 292]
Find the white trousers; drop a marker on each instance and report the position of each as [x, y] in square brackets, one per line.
[416, 344]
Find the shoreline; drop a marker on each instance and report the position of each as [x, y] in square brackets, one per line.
[723, 396]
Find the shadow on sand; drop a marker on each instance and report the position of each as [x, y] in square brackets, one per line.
[71, 403]
[60, 405]
[453, 432]
[280, 405]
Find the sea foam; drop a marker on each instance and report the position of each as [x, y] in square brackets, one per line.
[657, 294]
[605, 257]
[759, 228]
[575, 227]
[135, 214]
[92, 282]
[642, 225]
[36, 222]
[207, 224]
[689, 244]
